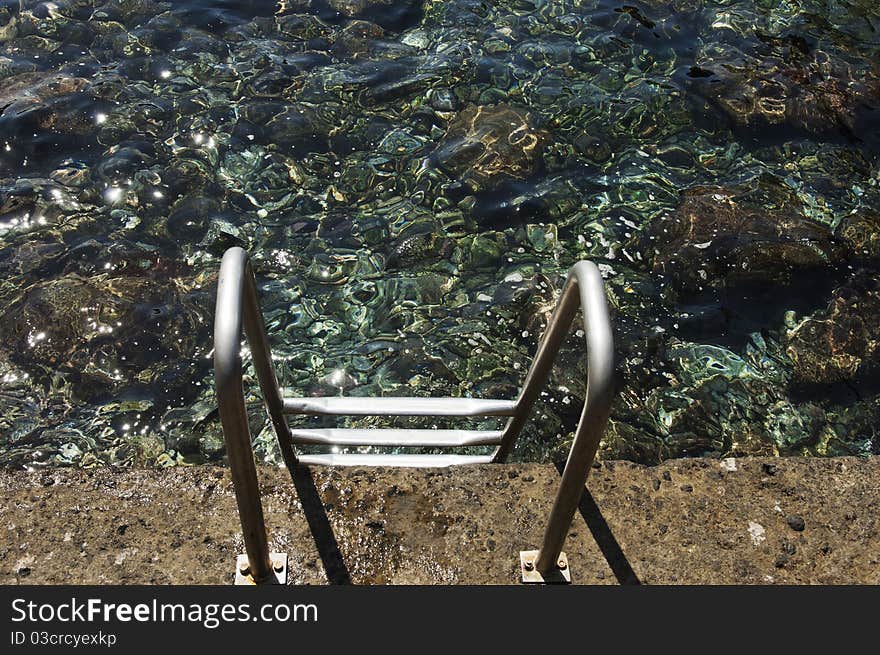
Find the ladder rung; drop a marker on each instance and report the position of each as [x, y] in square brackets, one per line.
[422, 461]
[388, 437]
[389, 406]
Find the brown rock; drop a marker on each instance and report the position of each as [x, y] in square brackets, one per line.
[841, 341]
[861, 232]
[785, 84]
[484, 145]
[720, 237]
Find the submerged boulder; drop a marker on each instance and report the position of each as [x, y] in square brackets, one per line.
[786, 84]
[418, 245]
[38, 102]
[842, 341]
[485, 145]
[106, 328]
[861, 233]
[35, 87]
[720, 237]
[394, 15]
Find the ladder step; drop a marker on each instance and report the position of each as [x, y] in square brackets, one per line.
[421, 461]
[389, 406]
[387, 437]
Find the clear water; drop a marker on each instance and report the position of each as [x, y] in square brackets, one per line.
[413, 181]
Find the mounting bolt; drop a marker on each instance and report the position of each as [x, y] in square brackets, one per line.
[278, 566]
[529, 564]
[244, 568]
[562, 564]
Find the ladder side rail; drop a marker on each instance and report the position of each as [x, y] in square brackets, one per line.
[594, 416]
[237, 307]
[583, 288]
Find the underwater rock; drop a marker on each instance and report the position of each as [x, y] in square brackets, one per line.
[861, 232]
[129, 12]
[718, 237]
[714, 400]
[361, 38]
[352, 8]
[391, 14]
[30, 203]
[190, 215]
[36, 108]
[418, 245]
[299, 127]
[786, 84]
[38, 87]
[31, 258]
[841, 341]
[107, 328]
[485, 145]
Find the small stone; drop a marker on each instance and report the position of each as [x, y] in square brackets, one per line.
[796, 523]
[656, 484]
[728, 464]
[769, 469]
[781, 560]
[687, 487]
[667, 476]
[788, 547]
[757, 533]
[528, 478]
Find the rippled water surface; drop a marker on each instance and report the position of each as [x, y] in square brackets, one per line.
[413, 181]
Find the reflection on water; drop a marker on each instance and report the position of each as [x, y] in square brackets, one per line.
[413, 180]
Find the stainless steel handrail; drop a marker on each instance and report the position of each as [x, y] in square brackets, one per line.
[583, 287]
[238, 307]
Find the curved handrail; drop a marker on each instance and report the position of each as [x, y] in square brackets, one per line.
[237, 307]
[585, 288]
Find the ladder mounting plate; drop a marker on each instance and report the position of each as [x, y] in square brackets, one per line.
[279, 570]
[560, 574]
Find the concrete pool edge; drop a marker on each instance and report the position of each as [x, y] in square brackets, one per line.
[702, 521]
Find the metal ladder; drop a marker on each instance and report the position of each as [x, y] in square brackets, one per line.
[238, 307]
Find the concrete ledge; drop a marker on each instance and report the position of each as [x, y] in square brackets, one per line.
[686, 521]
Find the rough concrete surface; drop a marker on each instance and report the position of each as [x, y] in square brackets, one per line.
[748, 520]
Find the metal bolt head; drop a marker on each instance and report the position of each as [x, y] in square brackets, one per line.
[244, 568]
[278, 566]
[529, 565]
[562, 564]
